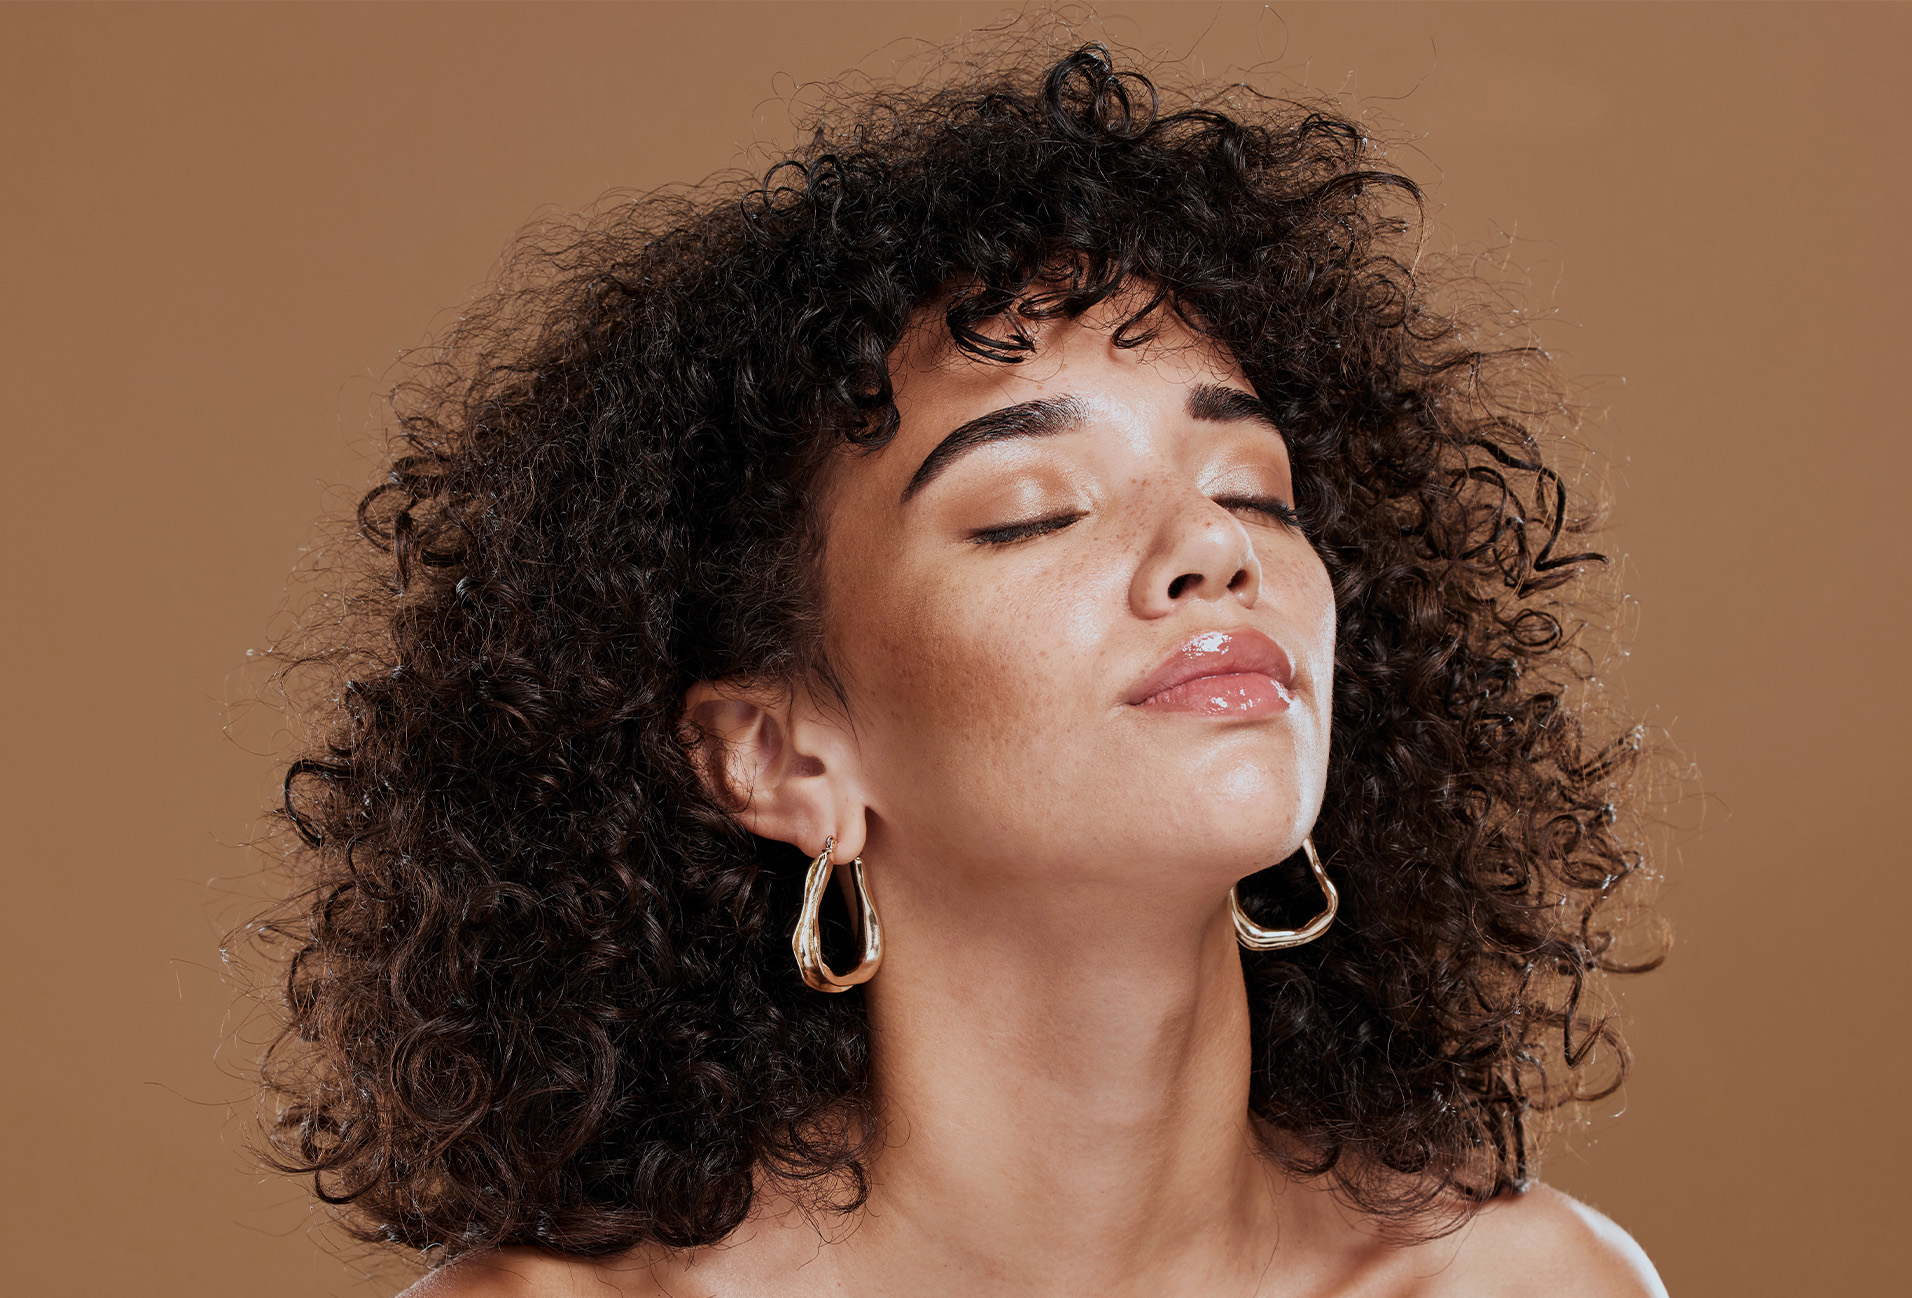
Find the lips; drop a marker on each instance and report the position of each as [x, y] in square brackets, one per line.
[1239, 673]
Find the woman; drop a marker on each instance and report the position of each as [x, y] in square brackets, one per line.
[1064, 522]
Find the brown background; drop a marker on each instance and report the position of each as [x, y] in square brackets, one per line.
[221, 225]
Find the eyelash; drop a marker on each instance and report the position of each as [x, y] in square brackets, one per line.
[1022, 531]
[1279, 510]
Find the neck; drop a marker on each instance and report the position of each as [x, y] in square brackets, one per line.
[1065, 1098]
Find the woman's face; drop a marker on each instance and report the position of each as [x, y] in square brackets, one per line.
[1079, 638]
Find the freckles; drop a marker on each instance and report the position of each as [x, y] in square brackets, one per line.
[982, 659]
[908, 656]
[1302, 585]
[929, 665]
[990, 667]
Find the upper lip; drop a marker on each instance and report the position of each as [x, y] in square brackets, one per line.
[1218, 653]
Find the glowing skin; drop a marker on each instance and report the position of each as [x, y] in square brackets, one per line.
[993, 629]
[1087, 658]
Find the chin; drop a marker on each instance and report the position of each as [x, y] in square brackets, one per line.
[1236, 825]
[1230, 842]
[1236, 855]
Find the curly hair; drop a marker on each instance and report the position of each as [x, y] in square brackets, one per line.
[537, 986]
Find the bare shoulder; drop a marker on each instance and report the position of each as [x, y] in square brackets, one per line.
[533, 1273]
[1545, 1243]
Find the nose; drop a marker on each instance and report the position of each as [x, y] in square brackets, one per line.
[1199, 552]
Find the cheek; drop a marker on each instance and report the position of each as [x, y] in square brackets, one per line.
[962, 661]
[1297, 582]
[1315, 614]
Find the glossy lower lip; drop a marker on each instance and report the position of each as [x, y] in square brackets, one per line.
[1237, 694]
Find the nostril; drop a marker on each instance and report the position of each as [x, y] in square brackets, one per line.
[1239, 580]
[1182, 583]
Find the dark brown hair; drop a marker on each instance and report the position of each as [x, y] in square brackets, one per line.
[537, 987]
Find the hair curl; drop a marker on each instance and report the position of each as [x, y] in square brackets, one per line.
[538, 987]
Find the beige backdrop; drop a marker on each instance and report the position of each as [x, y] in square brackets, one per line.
[221, 225]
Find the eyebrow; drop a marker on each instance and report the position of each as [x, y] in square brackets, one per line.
[1207, 402]
[1212, 403]
[1041, 418]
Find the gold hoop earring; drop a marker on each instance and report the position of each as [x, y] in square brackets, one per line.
[1256, 938]
[807, 942]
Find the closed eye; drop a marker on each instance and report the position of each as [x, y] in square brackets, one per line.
[1267, 506]
[1014, 532]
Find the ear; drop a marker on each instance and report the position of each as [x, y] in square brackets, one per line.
[785, 768]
